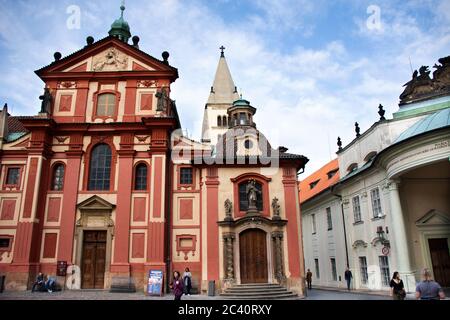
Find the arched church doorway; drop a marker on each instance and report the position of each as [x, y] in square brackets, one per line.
[253, 256]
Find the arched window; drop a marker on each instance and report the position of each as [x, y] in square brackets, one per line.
[370, 156]
[140, 177]
[106, 104]
[243, 200]
[224, 121]
[219, 121]
[352, 167]
[100, 168]
[58, 177]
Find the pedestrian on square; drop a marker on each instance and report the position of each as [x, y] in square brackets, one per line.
[397, 288]
[187, 281]
[309, 279]
[348, 277]
[428, 289]
[177, 285]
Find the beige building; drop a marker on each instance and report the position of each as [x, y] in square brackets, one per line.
[395, 190]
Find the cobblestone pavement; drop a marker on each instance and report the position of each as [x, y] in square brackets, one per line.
[92, 295]
[319, 294]
[315, 294]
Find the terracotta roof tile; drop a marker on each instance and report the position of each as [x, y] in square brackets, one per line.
[319, 181]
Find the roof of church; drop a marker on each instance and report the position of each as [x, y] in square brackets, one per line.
[223, 90]
[104, 40]
[319, 181]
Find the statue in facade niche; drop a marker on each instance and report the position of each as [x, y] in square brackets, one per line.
[228, 210]
[252, 195]
[46, 101]
[276, 208]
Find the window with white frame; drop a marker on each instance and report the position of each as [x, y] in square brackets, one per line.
[313, 223]
[333, 268]
[384, 268]
[376, 203]
[356, 209]
[316, 265]
[363, 270]
[329, 221]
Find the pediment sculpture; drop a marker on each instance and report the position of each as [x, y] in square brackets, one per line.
[112, 60]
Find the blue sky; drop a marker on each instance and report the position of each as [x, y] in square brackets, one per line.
[312, 68]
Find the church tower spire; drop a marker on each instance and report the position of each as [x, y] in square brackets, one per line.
[223, 94]
[120, 28]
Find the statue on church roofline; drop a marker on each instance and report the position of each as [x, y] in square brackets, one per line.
[46, 104]
[163, 100]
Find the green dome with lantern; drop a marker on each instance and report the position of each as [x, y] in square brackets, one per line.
[120, 28]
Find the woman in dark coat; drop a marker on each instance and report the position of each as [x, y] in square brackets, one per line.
[177, 285]
[397, 287]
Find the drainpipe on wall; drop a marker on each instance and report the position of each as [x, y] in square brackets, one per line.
[168, 251]
[343, 223]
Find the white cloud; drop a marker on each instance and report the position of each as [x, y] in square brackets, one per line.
[305, 96]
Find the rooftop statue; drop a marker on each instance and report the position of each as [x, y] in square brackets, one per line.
[421, 86]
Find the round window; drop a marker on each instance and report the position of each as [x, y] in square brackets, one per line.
[248, 144]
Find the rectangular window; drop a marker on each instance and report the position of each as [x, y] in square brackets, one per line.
[363, 270]
[333, 268]
[329, 221]
[316, 265]
[4, 243]
[242, 118]
[384, 268]
[313, 217]
[376, 203]
[356, 209]
[186, 176]
[12, 176]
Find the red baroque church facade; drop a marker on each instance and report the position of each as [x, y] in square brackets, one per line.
[93, 180]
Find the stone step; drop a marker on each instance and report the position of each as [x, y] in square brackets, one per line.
[255, 290]
[256, 284]
[267, 297]
[260, 293]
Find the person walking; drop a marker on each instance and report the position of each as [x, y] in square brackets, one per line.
[397, 288]
[177, 285]
[348, 277]
[428, 289]
[187, 281]
[309, 279]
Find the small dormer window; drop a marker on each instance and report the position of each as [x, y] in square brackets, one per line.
[370, 156]
[352, 167]
[313, 184]
[332, 173]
